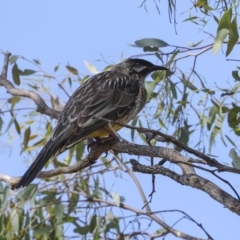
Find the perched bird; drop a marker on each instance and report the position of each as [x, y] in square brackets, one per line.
[118, 94]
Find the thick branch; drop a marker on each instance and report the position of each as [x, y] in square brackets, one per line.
[159, 136]
[122, 147]
[150, 151]
[42, 107]
[188, 177]
[90, 159]
[192, 180]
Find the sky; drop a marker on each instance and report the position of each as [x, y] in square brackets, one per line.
[62, 32]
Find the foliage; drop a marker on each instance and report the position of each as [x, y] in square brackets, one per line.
[84, 202]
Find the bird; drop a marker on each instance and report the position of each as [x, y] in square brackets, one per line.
[116, 95]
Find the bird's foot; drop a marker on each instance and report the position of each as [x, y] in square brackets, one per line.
[93, 143]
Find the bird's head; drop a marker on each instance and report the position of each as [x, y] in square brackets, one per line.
[137, 66]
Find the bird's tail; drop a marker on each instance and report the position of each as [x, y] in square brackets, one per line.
[49, 150]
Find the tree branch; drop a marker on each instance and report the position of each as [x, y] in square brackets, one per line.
[192, 180]
[90, 159]
[188, 177]
[42, 107]
[159, 136]
[175, 232]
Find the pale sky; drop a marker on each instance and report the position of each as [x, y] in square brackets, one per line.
[77, 31]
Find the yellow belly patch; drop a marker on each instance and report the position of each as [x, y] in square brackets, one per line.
[105, 131]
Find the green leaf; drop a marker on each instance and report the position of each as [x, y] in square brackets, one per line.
[223, 30]
[235, 75]
[172, 59]
[184, 136]
[11, 122]
[44, 230]
[212, 116]
[74, 198]
[151, 42]
[161, 232]
[4, 195]
[26, 227]
[58, 212]
[79, 150]
[27, 134]
[96, 235]
[150, 49]
[69, 81]
[190, 19]
[235, 158]
[233, 117]
[93, 223]
[72, 70]
[1, 195]
[14, 219]
[176, 113]
[189, 85]
[233, 36]
[33, 113]
[194, 44]
[216, 19]
[161, 123]
[92, 69]
[82, 230]
[26, 72]
[230, 140]
[56, 68]
[116, 198]
[15, 74]
[111, 225]
[14, 100]
[201, 3]
[37, 61]
[73, 202]
[1, 123]
[27, 193]
[173, 89]
[47, 76]
[216, 130]
[17, 127]
[149, 87]
[110, 216]
[13, 59]
[70, 219]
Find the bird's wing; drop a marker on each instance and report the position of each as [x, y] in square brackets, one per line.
[109, 96]
[104, 95]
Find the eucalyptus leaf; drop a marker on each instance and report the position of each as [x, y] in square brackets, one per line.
[151, 42]
[223, 30]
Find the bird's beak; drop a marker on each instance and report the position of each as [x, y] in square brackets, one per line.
[157, 68]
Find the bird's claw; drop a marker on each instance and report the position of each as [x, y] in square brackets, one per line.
[91, 144]
[106, 154]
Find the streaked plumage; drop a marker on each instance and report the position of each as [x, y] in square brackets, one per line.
[118, 94]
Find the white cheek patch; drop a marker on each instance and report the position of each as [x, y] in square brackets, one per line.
[139, 68]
